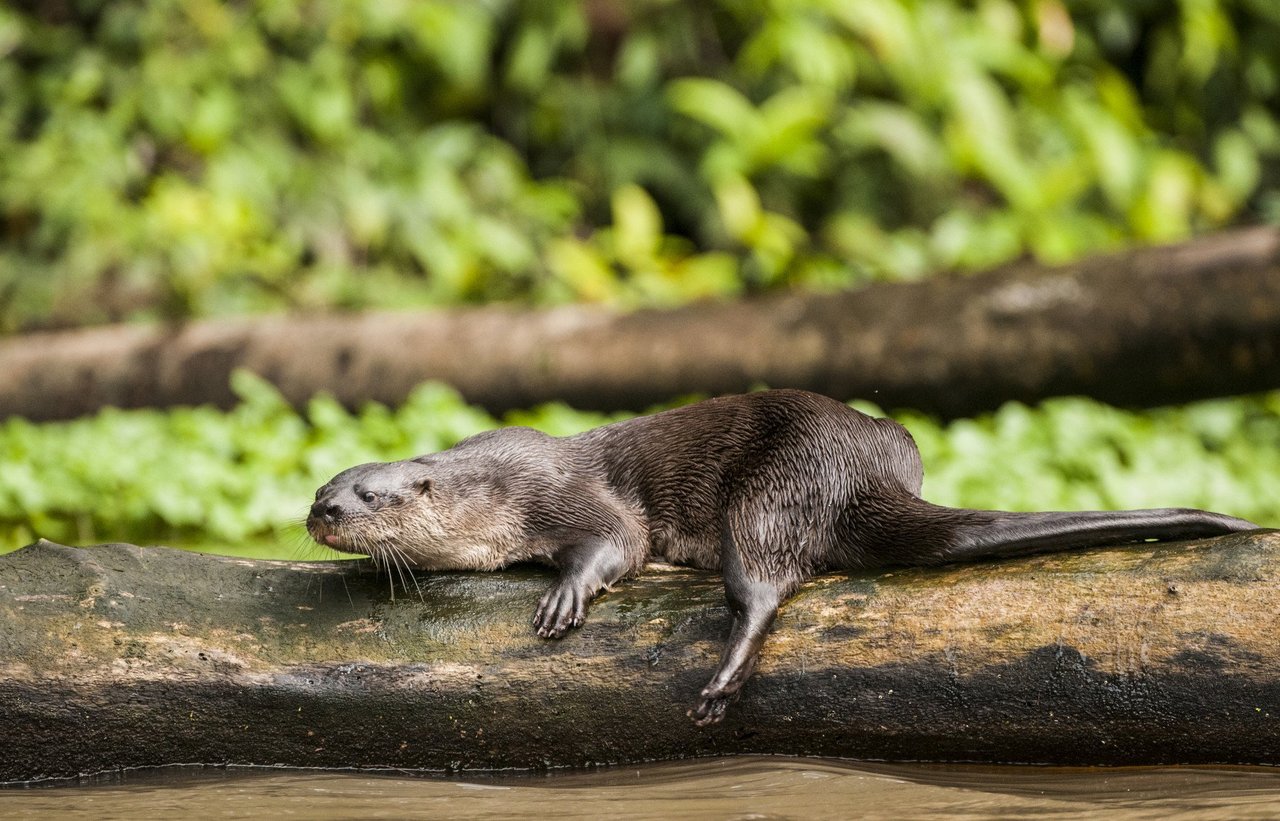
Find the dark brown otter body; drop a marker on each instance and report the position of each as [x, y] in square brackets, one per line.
[769, 488]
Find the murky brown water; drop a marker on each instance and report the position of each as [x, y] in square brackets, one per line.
[738, 788]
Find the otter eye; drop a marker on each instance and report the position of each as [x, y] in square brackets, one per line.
[369, 497]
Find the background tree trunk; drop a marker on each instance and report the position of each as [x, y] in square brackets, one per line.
[1150, 326]
[118, 656]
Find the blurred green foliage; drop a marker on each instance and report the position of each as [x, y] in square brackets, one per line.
[241, 481]
[170, 158]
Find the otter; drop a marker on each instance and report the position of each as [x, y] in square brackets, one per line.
[768, 488]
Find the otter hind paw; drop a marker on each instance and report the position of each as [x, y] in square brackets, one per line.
[711, 708]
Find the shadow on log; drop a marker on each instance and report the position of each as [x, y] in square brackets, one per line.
[1148, 327]
[118, 656]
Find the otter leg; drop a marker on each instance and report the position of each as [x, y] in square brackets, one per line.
[754, 604]
[586, 568]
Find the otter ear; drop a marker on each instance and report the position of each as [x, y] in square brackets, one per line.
[423, 486]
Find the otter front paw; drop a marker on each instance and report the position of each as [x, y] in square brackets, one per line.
[562, 608]
[715, 700]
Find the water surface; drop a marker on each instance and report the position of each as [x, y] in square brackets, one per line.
[727, 788]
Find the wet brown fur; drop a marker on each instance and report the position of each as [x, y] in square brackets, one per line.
[769, 488]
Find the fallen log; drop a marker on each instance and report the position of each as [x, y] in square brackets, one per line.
[1147, 327]
[118, 656]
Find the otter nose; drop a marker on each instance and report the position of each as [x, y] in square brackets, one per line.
[327, 511]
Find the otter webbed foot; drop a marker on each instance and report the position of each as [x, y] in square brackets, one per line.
[586, 568]
[715, 700]
[563, 607]
[724, 688]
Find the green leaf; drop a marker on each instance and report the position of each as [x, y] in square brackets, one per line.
[717, 105]
[637, 226]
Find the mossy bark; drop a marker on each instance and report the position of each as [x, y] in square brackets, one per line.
[118, 656]
[1148, 327]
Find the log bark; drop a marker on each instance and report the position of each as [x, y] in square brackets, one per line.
[1150, 326]
[119, 656]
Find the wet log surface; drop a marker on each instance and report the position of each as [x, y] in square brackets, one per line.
[118, 656]
[1147, 327]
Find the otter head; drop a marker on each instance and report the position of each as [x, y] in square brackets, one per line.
[416, 513]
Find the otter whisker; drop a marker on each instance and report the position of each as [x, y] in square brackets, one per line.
[351, 601]
[382, 563]
[302, 547]
[392, 565]
[362, 544]
[388, 563]
[402, 567]
[404, 560]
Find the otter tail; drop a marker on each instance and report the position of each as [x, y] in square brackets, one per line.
[980, 534]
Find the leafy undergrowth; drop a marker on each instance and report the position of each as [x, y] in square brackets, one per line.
[178, 158]
[240, 481]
